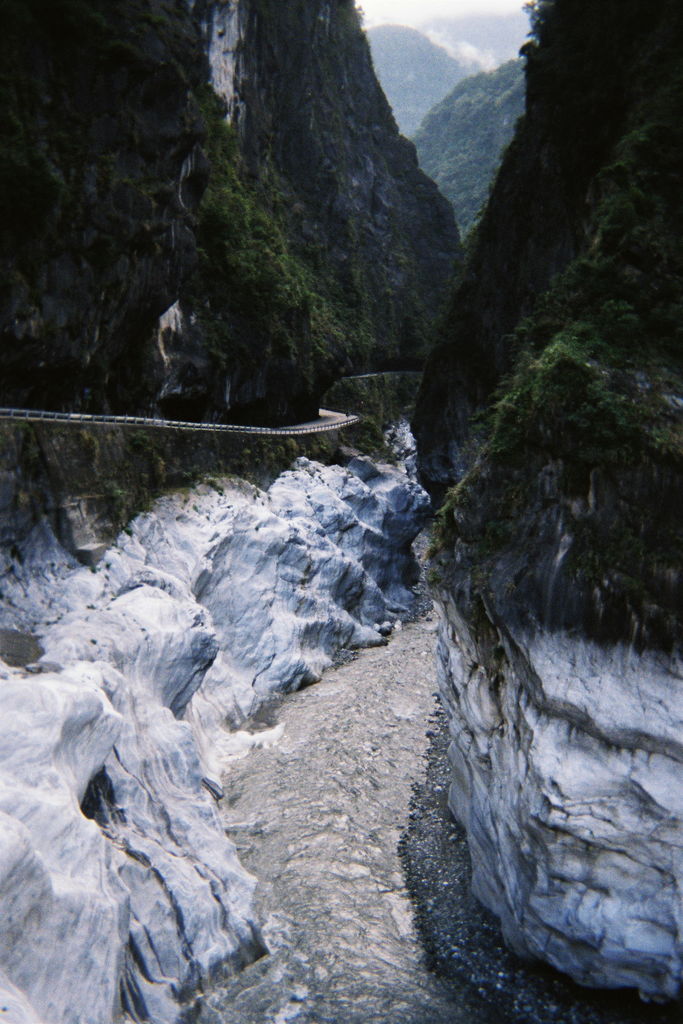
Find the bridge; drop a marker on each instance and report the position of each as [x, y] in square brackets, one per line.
[328, 420]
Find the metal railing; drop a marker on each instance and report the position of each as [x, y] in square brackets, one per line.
[329, 420]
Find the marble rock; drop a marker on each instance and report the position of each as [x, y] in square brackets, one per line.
[14, 1006]
[61, 902]
[567, 766]
[119, 891]
[372, 513]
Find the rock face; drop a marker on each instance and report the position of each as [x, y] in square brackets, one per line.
[101, 173]
[560, 548]
[113, 744]
[566, 766]
[128, 286]
[373, 239]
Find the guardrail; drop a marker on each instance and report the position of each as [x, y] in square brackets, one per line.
[381, 373]
[329, 421]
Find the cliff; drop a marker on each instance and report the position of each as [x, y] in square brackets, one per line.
[559, 570]
[101, 173]
[205, 209]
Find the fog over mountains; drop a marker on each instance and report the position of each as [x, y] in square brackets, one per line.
[417, 69]
[414, 72]
[484, 39]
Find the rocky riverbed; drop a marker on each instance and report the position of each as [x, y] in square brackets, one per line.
[201, 845]
[340, 809]
[316, 810]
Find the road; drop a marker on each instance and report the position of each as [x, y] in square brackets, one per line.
[327, 420]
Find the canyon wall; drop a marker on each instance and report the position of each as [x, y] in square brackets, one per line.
[559, 547]
[206, 208]
[207, 212]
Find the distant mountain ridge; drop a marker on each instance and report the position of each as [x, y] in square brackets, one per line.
[414, 72]
[418, 68]
[461, 140]
[490, 38]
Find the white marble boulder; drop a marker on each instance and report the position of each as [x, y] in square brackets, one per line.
[568, 776]
[119, 891]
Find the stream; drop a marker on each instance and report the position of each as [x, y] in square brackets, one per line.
[339, 783]
[317, 813]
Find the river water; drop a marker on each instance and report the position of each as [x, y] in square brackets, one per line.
[318, 812]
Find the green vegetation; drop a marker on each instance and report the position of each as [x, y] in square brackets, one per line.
[594, 394]
[461, 140]
[250, 281]
[604, 345]
[244, 257]
[366, 264]
[566, 402]
[379, 400]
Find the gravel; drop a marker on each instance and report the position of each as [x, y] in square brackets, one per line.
[462, 940]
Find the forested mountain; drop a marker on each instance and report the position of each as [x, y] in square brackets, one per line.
[461, 140]
[233, 170]
[561, 566]
[414, 72]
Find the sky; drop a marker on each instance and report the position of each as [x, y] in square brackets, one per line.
[418, 12]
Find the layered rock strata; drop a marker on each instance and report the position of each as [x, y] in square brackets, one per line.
[114, 742]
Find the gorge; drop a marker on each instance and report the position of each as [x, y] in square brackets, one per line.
[209, 215]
